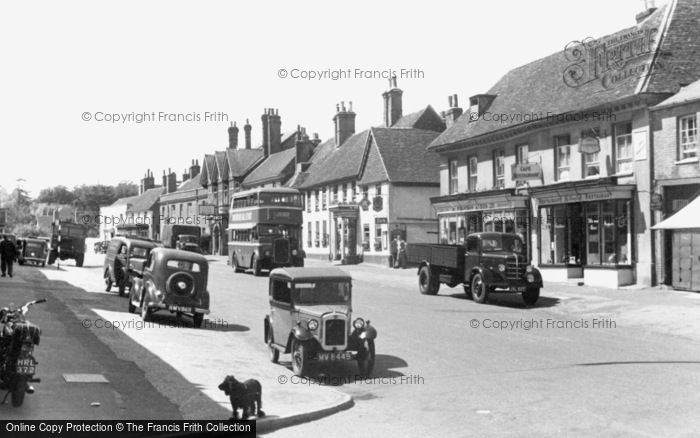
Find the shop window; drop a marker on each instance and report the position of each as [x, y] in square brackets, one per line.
[688, 138]
[443, 230]
[452, 169]
[317, 241]
[310, 233]
[499, 169]
[377, 239]
[473, 173]
[623, 148]
[562, 152]
[560, 234]
[324, 242]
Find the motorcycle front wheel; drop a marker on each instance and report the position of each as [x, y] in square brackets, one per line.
[18, 391]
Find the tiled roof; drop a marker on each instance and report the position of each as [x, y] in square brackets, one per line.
[426, 118]
[145, 201]
[209, 172]
[337, 163]
[689, 93]
[241, 160]
[273, 167]
[400, 156]
[539, 87]
[124, 201]
[221, 165]
[190, 184]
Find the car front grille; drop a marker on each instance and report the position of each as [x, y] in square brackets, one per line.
[515, 269]
[280, 251]
[335, 332]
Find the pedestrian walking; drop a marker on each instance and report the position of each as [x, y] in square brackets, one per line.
[8, 254]
[393, 251]
[402, 253]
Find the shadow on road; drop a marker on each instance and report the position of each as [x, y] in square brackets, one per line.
[507, 299]
[640, 362]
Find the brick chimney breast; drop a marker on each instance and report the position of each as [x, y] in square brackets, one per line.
[194, 168]
[246, 129]
[266, 139]
[393, 107]
[344, 123]
[233, 136]
[274, 131]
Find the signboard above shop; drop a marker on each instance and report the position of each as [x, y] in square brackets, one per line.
[589, 145]
[207, 210]
[524, 172]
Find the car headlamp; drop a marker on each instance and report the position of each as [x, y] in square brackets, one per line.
[530, 278]
[359, 323]
[502, 267]
[312, 324]
[267, 253]
[528, 268]
[294, 252]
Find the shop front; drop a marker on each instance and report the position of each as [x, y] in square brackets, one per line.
[496, 210]
[584, 231]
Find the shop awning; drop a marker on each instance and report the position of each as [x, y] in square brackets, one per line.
[685, 218]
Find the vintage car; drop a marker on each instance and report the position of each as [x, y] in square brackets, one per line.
[32, 251]
[311, 318]
[190, 246]
[121, 254]
[172, 280]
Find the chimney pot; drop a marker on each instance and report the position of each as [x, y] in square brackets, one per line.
[454, 101]
[449, 101]
[350, 108]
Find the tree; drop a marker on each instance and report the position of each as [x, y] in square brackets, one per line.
[125, 189]
[93, 196]
[56, 195]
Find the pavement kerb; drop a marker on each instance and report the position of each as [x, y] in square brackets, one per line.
[266, 425]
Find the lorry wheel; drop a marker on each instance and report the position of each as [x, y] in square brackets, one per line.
[468, 291]
[428, 281]
[255, 265]
[274, 353]
[79, 260]
[198, 319]
[531, 295]
[235, 265]
[480, 292]
[365, 362]
[301, 358]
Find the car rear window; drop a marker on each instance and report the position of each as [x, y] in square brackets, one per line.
[183, 265]
[139, 252]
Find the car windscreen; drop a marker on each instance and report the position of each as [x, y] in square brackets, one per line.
[322, 292]
[506, 242]
[139, 252]
[183, 265]
[32, 246]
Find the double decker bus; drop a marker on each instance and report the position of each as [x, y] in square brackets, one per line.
[264, 229]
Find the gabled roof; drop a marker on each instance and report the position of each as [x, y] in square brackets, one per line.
[209, 170]
[273, 167]
[331, 163]
[690, 93]
[427, 118]
[221, 165]
[240, 161]
[145, 201]
[540, 88]
[400, 156]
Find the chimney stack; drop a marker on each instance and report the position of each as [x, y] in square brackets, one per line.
[393, 109]
[233, 136]
[171, 182]
[304, 148]
[246, 130]
[185, 175]
[453, 112]
[265, 128]
[165, 180]
[147, 183]
[344, 123]
[274, 132]
[649, 9]
[194, 168]
[315, 140]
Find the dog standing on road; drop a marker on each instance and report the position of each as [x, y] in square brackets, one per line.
[246, 396]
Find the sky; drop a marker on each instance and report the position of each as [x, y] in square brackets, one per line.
[77, 76]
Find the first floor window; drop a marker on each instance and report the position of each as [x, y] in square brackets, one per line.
[452, 170]
[473, 173]
[623, 148]
[688, 141]
[562, 150]
[591, 164]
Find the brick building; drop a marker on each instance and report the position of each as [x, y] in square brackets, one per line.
[559, 150]
[361, 187]
[676, 176]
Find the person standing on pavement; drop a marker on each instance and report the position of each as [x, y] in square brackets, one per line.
[402, 253]
[8, 253]
[393, 251]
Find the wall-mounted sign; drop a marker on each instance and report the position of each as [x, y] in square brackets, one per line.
[657, 201]
[589, 145]
[380, 220]
[526, 171]
[365, 204]
[207, 210]
[377, 203]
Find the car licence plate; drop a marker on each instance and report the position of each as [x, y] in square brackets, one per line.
[25, 366]
[181, 309]
[335, 355]
[517, 288]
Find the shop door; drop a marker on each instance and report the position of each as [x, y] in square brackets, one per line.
[686, 260]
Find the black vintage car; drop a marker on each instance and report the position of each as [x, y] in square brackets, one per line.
[121, 253]
[311, 318]
[170, 280]
[32, 251]
[487, 262]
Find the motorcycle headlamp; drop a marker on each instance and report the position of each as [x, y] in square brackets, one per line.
[312, 324]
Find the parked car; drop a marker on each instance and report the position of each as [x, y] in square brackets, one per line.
[172, 280]
[310, 317]
[190, 246]
[33, 251]
[121, 253]
[101, 247]
[486, 263]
